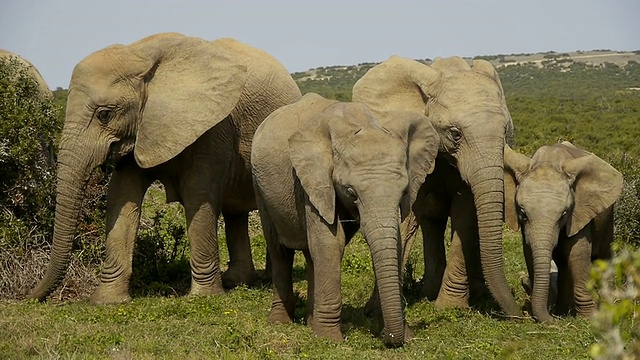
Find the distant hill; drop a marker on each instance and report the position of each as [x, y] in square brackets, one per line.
[593, 57]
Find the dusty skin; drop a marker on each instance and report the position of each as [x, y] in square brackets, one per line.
[466, 106]
[322, 170]
[177, 109]
[562, 198]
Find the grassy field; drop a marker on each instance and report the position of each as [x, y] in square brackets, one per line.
[235, 325]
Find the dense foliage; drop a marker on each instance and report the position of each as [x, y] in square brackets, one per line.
[28, 129]
[617, 286]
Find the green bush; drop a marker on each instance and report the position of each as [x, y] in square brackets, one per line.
[616, 287]
[29, 127]
[627, 208]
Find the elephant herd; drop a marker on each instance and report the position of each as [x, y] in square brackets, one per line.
[224, 127]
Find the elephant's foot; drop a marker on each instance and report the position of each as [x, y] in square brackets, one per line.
[478, 289]
[329, 332]
[585, 307]
[110, 294]
[198, 289]
[430, 289]
[373, 308]
[280, 315]
[408, 333]
[448, 301]
[238, 275]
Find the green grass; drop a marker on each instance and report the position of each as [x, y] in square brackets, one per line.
[235, 325]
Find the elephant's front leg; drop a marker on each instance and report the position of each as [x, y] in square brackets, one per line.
[241, 269]
[310, 286]
[326, 247]
[454, 291]
[124, 199]
[578, 251]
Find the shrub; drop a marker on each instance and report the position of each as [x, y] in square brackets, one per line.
[28, 131]
[30, 125]
[616, 287]
[627, 208]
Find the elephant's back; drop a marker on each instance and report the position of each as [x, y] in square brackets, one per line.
[32, 71]
[265, 72]
[273, 174]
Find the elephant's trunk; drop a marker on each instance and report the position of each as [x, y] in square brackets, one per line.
[72, 172]
[487, 186]
[383, 236]
[541, 253]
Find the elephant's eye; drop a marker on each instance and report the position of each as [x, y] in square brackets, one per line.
[352, 193]
[456, 135]
[522, 215]
[104, 115]
[564, 213]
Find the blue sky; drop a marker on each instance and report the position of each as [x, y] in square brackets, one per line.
[57, 34]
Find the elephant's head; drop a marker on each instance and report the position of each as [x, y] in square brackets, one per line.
[152, 98]
[466, 105]
[556, 193]
[351, 165]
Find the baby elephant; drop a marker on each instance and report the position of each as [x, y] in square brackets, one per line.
[563, 199]
[323, 169]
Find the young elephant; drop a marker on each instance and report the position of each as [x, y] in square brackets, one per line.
[322, 169]
[563, 199]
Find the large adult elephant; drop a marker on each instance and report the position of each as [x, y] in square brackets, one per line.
[466, 105]
[177, 109]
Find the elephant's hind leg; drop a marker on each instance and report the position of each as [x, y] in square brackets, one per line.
[434, 256]
[283, 303]
[202, 230]
[124, 199]
[241, 269]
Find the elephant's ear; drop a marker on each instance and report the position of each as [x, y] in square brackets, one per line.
[190, 88]
[397, 84]
[515, 165]
[422, 148]
[312, 158]
[484, 67]
[597, 185]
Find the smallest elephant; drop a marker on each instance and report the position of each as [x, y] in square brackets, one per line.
[562, 198]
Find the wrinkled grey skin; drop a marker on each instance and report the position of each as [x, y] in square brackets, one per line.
[322, 169]
[552, 298]
[563, 199]
[466, 105]
[177, 109]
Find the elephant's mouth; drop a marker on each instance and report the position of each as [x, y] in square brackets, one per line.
[350, 216]
[120, 149]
